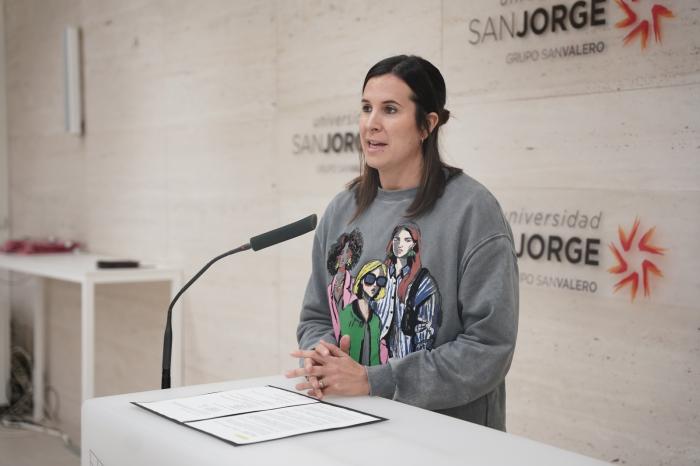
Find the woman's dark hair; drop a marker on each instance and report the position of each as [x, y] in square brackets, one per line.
[429, 94]
[354, 242]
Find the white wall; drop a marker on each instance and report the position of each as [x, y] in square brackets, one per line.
[194, 117]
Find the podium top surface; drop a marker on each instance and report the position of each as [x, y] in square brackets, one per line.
[116, 432]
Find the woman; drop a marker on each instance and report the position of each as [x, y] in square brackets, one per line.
[412, 312]
[465, 242]
[341, 259]
[359, 321]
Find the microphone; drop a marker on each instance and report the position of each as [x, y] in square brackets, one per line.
[284, 233]
[256, 243]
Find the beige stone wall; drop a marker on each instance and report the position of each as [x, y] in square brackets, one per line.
[4, 195]
[193, 117]
[4, 221]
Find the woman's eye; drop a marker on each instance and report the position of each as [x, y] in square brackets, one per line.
[366, 108]
[389, 109]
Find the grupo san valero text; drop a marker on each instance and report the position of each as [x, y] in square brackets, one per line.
[562, 283]
[551, 53]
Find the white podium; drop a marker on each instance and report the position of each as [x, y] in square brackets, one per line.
[116, 432]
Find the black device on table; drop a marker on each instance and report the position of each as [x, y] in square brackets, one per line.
[117, 264]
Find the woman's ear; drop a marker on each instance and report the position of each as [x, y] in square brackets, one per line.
[433, 119]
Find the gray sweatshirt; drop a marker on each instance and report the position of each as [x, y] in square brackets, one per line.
[430, 304]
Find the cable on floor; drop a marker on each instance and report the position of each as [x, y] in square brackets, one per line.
[17, 415]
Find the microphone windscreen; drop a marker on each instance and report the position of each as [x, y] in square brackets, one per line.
[284, 233]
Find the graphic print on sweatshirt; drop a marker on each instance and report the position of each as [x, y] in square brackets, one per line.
[391, 307]
[342, 257]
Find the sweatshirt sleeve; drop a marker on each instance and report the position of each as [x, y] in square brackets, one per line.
[315, 320]
[473, 364]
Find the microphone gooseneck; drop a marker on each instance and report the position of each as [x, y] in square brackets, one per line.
[168, 338]
[256, 243]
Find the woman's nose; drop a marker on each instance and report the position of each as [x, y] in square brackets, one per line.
[374, 121]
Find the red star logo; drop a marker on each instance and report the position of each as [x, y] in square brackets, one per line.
[644, 251]
[642, 28]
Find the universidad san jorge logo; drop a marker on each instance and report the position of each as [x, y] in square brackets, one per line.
[635, 259]
[640, 29]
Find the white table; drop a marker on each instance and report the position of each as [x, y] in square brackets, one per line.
[82, 269]
[116, 432]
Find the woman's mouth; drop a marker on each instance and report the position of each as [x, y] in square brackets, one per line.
[375, 146]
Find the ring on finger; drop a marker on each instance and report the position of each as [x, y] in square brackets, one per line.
[321, 384]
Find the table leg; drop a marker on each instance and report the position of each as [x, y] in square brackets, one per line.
[87, 334]
[38, 306]
[178, 321]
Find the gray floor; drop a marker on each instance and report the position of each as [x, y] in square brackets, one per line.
[22, 448]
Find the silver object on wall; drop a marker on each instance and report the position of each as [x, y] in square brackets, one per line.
[73, 85]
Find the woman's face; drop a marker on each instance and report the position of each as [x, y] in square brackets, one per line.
[402, 243]
[372, 289]
[391, 141]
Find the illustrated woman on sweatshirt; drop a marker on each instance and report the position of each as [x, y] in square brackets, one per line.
[359, 319]
[342, 257]
[411, 308]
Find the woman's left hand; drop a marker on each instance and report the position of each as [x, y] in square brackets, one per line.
[336, 372]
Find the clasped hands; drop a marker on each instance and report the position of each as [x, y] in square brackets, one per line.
[329, 369]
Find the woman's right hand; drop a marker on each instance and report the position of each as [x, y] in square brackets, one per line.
[312, 383]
